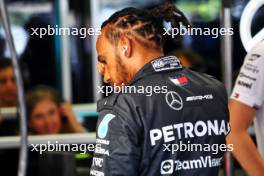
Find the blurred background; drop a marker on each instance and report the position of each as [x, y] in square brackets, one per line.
[66, 65]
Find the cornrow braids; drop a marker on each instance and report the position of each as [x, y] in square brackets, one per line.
[146, 26]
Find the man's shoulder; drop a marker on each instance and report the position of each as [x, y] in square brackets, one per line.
[116, 102]
[106, 102]
[181, 79]
[201, 79]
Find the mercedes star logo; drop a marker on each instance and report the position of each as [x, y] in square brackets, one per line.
[174, 100]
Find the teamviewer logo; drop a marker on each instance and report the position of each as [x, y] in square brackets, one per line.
[166, 167]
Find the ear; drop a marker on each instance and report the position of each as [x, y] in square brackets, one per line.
[125, 46]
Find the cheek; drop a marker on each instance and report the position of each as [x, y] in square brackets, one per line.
[14, 88]
[37, 125]
[1, 90]
[8, 90]
[56, 121]
[113, 70]
[121, 74]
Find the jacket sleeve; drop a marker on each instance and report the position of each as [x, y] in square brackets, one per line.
[249, 84]
[117, 145]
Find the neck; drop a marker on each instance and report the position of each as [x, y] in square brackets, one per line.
[145, 58]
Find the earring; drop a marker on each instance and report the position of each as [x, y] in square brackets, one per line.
[124, 52]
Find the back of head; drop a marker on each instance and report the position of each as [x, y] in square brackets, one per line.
[146, 26]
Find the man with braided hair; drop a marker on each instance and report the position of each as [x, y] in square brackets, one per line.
[151, 135]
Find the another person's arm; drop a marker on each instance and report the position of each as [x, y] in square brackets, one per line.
[247, 97]
[245, 151]
[74, 125]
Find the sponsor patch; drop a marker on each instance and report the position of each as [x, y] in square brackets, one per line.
[187, 130]
[236, 95]
[200, 97]
[166, 63]
[254, 57]
[101, 151]
[96, 173]
[170, 166]
[243, 75]
[245, 84]
[174, 100]
[251, 68]
[98, 162]
[103, 127]
[166, 167]
[179, 79]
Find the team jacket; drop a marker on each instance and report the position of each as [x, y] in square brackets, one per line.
[172, 122]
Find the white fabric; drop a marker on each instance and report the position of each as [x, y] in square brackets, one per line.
[249, 89]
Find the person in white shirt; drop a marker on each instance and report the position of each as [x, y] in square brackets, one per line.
[247, 105]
